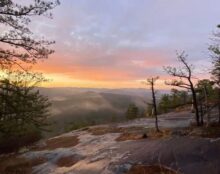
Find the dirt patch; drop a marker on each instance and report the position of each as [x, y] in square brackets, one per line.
[129, 136]
[103, 130]
[60, 142]
[156, 169]
[18, 165]
[67, 161]
[131, 133]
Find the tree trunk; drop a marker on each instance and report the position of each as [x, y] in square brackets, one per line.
[208, 118]
[207, 107]
[195, 103]
[201, 113]
[155, 108]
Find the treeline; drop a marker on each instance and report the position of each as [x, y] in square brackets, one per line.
[170, 101]
[178, 100]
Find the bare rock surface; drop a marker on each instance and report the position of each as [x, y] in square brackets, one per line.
[101, 153]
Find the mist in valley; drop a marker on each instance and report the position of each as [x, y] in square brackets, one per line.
[73, 108]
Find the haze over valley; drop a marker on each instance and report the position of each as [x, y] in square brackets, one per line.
[89, 106]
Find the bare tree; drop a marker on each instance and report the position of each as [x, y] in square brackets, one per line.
[151, 82]
[17, 42]
[184, 75]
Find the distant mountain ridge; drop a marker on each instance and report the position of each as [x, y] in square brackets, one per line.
[72, 90]
[81, 106]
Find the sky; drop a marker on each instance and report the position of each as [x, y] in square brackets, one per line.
[119, 43]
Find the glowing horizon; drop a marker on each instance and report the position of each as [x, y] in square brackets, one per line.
[117, 44]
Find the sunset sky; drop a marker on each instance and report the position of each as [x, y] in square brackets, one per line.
[119, 43]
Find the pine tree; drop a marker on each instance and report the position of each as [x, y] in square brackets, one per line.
[22, 106]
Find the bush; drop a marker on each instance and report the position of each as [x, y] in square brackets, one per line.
[132, 112]
[14, 141]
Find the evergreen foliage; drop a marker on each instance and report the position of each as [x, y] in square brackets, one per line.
[132, 112]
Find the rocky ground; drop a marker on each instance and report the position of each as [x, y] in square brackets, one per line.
[121, 149]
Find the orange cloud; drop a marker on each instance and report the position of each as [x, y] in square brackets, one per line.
[125, 68]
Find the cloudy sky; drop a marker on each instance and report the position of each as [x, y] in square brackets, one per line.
[118, 43]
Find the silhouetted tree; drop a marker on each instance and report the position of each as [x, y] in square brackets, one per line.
[23, 110]
[151, 82]
[18, 44]
[215, 54]
[184, 75]
[207, 95]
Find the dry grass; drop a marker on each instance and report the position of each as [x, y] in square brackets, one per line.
[155, 169]
[112, 129]
[136, 133]
[60, 142]
[131, 133]
[18, 165]
[183, 108]
[151, 134]
[212, 131]
[163, 133]
[127, 133]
